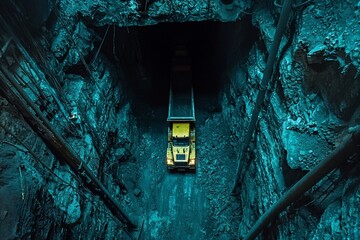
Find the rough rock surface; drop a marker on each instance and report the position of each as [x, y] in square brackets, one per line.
[131, 12]
[314, 100]
[95, 89]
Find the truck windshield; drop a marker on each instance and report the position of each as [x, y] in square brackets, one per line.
[181, 142]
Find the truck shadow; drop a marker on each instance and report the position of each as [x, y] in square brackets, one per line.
[182, 172]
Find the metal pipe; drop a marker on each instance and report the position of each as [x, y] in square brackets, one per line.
[348, 147]
[284, 17]
[58, 144]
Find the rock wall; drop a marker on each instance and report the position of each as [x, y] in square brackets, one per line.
[92, 112]
[312, 102]
[131, 12]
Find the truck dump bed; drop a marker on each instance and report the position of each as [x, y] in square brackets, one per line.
[181, 98]
[181, 102]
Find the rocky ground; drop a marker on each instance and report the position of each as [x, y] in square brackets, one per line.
[187, 205]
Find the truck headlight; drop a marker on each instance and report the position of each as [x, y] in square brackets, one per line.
[169, 162]
[192, 162]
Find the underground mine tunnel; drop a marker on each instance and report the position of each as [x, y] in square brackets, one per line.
[86, 142]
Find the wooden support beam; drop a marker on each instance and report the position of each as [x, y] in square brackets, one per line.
[57, 143]
[5, 47]
[349, 146]
[280, 29]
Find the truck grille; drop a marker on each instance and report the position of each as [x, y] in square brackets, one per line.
[181, 163]
[180, 157]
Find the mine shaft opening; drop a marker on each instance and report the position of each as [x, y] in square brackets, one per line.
[147, 52]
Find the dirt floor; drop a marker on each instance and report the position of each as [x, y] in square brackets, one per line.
[187, 205]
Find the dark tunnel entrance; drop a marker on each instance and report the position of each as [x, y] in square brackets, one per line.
[145, 54]
[158, 43]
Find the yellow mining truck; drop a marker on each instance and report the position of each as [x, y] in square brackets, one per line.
[180, 154]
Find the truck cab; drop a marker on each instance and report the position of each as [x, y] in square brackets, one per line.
[181, 146]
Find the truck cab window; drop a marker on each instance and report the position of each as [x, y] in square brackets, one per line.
[181, 142]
